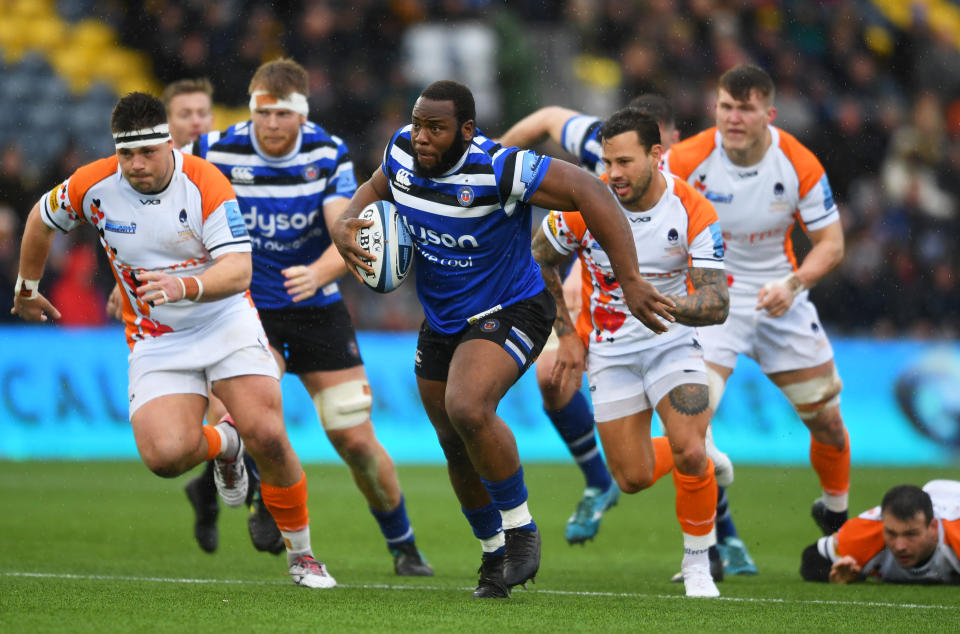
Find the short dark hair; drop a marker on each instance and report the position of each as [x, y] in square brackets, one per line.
[656, 106]
[186, 87]
[742, 80]
[449, 90]
[135, 111]
[631, 119]
[905, 501]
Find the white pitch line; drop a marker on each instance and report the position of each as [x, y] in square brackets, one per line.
[578, 593]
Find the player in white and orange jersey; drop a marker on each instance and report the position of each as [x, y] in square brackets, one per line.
[912, 537]
[631, 369]
[567, 408]
[172, 231]
[761, 181]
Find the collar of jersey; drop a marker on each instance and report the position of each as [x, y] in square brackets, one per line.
[459, 164]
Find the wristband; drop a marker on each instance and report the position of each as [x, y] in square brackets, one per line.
[26, 289]
[183, 289]
[199, 288]
[791, 282]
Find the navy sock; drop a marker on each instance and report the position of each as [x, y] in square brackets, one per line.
[485, 521]
[574, 423]
[724, 521]
[395, 525]
[509, 494]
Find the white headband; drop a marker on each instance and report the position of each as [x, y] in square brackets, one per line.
[138, 138]
[295, 101]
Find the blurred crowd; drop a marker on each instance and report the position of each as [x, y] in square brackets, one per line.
[878, 103]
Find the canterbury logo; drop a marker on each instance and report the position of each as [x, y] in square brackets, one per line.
[403, 179]
[242, 174]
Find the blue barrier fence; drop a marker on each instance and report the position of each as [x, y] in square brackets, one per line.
[63, 394]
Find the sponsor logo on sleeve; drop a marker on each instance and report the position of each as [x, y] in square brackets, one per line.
[238, 229]
[530, 167]
[346, 183]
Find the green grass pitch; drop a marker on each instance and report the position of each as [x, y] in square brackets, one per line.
[99, 546]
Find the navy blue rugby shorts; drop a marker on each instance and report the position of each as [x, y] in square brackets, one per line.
[313, 338]
[521, 329]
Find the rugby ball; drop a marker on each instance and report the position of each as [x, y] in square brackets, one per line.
[387, 238]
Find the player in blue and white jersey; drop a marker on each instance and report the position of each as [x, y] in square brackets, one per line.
[292, 179]
[465, 200]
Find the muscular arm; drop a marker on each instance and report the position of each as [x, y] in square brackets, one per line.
[344, 230]
[303, 281]
[708, 303]
[229, 275]
[569, 362]
[567, 187]
[537, 126]
[550, 260]
[34, 250]
[827, 252]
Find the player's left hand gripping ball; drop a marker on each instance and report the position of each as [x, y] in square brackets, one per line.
[387, 239]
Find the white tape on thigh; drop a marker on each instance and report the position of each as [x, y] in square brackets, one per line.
[814, 395]
[716, 384]
[345, 405]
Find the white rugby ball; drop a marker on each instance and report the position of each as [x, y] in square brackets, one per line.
[387, 238]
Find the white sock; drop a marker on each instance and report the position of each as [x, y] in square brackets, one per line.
[516, 517]
[229, 440]
[297, 543]
[835, 503]
[493, 544]
[696, 548]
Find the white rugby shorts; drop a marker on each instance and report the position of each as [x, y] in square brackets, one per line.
[184, 362]
[793, 341]
[626, 384]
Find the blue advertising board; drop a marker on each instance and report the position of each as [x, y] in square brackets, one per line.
[63, 395]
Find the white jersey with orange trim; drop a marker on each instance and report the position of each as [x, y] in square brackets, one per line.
[862, 539]
[180, 230]
[757, 205]
[677, 233]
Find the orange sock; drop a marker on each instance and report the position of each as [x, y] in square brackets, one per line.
[287, 505]
[696, 501]
[832, 465]
[213, 442]
[663, 457]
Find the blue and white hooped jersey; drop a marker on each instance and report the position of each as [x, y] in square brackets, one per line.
[471, 228]
[282, 201]
[581, 138]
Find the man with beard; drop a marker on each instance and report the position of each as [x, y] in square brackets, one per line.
[466, 202]
[912, 537]
[293, 178]
[632, 371]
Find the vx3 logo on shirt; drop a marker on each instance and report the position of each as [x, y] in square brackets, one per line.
[149, 201]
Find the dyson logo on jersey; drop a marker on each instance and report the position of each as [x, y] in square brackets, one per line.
[269, 224]
[429, 236]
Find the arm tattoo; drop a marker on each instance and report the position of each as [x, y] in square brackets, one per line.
[548, 258]
[708, 303]
[690, 399]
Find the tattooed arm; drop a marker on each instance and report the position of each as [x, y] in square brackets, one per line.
[569, 361]
[708, 303]
[550, 260]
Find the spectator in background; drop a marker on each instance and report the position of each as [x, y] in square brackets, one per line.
[75, 293]
[9, 232]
